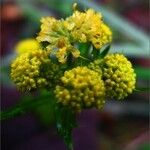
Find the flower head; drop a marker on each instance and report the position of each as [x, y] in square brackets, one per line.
[88, 26]
[33, 70]
[78, 92]
[84, 25]
[58, 38]
[118, 75]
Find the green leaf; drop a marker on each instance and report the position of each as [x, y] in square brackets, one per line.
[95, 53]
[142, 89]
[65, 122]
[4, 115]
[105, 49]
[25, 105]
[84, 49]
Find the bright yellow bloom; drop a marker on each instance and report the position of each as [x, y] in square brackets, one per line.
[88, 26]
[33, 70]
[81, 88]
[119, 76]
[103, 36]
[47, 27]
[61, 54]
[53, 32]
[58, 38]
[84, 25]
[62, 36]
[27, 45]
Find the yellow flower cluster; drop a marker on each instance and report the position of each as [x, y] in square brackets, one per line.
[58, 38]
[29, 70]
[118, 76]
[27, 45]
[81, 88]
[62, 35]
[88, 26]
[83, 25]
[52, 32]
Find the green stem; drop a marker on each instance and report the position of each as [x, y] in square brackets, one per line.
[66, 121]
[70, 146]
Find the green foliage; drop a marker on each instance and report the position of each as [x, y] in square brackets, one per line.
[95, 52]
[84, 48]
[101, 53]
[105, 49]
[26, 104]
[65, 122]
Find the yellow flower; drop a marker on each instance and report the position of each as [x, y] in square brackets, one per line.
[84, 24]
[52, 31]
[46, 28]
[34, 70]
[62, 36]
[119, 76]
[88, 26]
[57, 35]
[62, 55]
[81, 88]
[27, 45]
[102, 37]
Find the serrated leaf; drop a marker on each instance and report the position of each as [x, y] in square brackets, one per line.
[26, 104]
[4, 115]
[65, 122]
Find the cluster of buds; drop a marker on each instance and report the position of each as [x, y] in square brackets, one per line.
[81, 88]
[33, 70]
[118, 75]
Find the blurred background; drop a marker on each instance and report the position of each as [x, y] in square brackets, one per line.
[121, 125]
